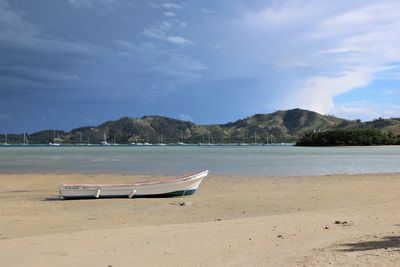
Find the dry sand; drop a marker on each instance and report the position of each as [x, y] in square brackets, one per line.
[230, 221]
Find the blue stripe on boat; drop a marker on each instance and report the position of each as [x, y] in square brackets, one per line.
[174, 194]
[170, 194]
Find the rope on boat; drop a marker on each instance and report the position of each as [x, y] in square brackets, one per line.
[132, 193]
[182, 203]
[97, 195]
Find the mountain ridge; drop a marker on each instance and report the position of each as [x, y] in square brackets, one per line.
[278, 127]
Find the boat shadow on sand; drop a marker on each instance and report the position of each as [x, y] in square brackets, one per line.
[386, 242]
[57, 198]
[53, 198]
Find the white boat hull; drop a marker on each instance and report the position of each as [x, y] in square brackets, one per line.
[186, 185]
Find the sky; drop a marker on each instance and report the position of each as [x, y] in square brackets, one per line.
[71, 63]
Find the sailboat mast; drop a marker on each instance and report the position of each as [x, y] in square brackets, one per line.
[25, 139]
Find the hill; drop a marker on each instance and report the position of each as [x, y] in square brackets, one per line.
[276, 127]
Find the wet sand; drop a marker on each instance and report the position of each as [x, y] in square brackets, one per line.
[230, 221]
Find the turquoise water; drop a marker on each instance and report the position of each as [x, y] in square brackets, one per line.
[220, 160]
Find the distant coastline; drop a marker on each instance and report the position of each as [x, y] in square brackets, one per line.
[280, 127]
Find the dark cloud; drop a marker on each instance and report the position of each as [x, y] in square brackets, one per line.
[32, 60]
[38, 61]
[51, 64]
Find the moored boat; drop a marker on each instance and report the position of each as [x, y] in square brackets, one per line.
[180, 186]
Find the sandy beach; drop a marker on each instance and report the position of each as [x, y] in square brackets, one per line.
[348, 220]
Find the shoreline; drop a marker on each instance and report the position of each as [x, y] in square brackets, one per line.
[135, 175]
[231, 220]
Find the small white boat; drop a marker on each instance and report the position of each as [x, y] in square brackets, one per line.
[54, 144]
[137, 144]
[5, 141]
[56, 141]
[104, 142]
[180, 186]
[25, 141]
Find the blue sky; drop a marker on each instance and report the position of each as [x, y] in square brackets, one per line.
[70, 63]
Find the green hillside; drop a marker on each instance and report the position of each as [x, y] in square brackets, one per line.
[280, 126]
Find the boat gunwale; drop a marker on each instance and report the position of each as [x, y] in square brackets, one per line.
[141, 183]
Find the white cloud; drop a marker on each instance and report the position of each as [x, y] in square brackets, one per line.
[364, 18]
[4, 117]
[157, 31]
[171, 6]
[318, 92]
[366, 36]
[178, 40]
[169, 14]
[160, 31]
[286, 15]
[391, 92]
[340, 46]
[206, 12]
[125, 45]
[367, 110]
[185, 117]
[109, 4]
[81, 3]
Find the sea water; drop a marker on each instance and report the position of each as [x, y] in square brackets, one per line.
[220, 160]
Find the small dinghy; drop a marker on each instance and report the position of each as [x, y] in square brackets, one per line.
[180, 186]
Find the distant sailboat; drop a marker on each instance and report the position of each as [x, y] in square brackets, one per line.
[88, 140]
[56, 141]
[202, 140]
[147, 143]
[80, 140]
[138, 141]
[255, 140]
[5, 140]
[114, 142]
[181, 143]
[104, 142]
[161, 141]
[210, 140]
[243, 142]
[25, 141]
[135, 143]
[267, 139]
